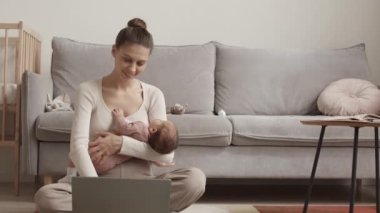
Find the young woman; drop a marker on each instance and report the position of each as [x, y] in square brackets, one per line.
[91, 139]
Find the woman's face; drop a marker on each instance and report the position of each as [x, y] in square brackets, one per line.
[130, 59]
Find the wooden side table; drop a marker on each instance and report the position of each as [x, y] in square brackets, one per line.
[356, 125]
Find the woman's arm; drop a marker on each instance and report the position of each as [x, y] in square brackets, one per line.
[107, 144]
[80, 132]
[135, 148]
[156, 110]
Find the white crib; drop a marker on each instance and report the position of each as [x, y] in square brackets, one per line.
[20, 50]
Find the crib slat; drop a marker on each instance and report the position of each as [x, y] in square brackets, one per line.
[4, 84]
[17, 142]
[38, 52]
[18, 66]
[23, 54]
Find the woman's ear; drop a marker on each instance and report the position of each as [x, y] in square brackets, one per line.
[113, 50]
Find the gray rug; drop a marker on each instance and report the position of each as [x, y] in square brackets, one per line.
[221, 208]
[29, 207]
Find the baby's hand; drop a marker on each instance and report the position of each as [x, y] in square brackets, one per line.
[117, 112]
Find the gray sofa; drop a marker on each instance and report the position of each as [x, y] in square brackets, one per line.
[265, 93]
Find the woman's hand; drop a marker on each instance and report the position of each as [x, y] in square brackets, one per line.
[105, 145]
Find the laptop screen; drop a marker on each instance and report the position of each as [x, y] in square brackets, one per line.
[115, 195]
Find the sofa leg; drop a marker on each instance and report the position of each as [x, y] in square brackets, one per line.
[359, 184]
[48, 179]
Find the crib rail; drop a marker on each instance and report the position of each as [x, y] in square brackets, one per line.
[20, 51]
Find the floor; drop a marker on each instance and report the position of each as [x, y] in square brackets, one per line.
[235, 192]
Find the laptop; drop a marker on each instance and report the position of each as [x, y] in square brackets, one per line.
[115, 195]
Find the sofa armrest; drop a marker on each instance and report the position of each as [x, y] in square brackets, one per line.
[34, 90]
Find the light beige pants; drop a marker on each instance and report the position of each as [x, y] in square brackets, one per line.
[187, 186]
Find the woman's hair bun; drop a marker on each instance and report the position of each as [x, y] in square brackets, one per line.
[137, 23]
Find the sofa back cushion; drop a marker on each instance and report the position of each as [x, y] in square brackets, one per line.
[185, 74]
[281, 82]
[74, 62]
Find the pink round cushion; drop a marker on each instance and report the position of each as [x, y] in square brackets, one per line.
[349, 97]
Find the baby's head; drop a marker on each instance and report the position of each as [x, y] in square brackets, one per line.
[163, 136]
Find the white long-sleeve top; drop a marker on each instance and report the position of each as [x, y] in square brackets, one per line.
[92, 115]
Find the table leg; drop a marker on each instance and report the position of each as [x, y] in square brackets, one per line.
[377, 167]
[17, 169]
[316, 158]
[353, 174]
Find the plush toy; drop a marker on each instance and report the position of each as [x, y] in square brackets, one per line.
[178, 109]
[60, 103]
[221, 113]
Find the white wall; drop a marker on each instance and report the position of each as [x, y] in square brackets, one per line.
[321, 24]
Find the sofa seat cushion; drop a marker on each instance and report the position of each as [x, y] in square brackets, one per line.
[54, 126]
[289, 131]
[202, 130]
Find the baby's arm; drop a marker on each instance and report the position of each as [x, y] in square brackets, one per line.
[119, 120]
[137, 129]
